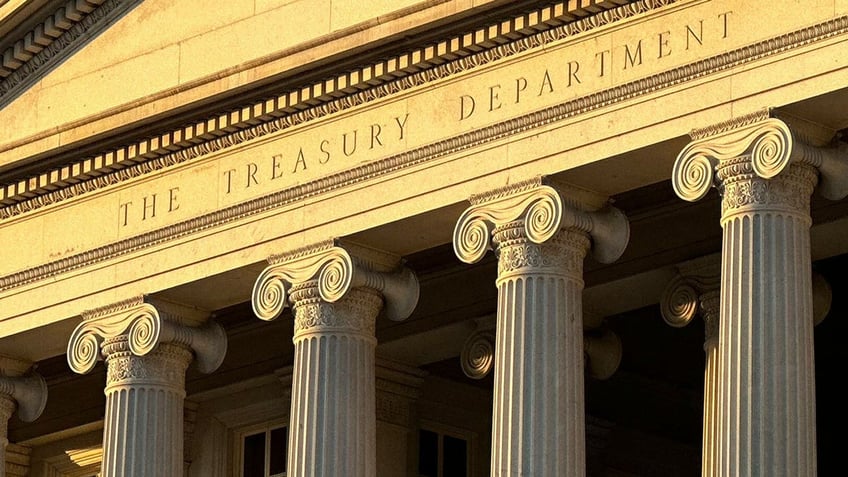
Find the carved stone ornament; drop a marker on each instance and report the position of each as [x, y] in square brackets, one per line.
[681, 300]
[337, 271]
[478, 354]
[543, 212]
[603, 353]
[24, 386]
[355, 312]
[694, 291]
[146, 322]
[767, 147]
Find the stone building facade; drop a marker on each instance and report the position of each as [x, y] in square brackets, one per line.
[430, 238]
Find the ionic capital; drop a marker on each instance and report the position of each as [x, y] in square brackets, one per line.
[543, 211]
[21, 386]
[822, 298]
[146, 322]
[477, 357]
[694, 291]
[338, 267]
[686, 295]
[603, 351]
[768, 145]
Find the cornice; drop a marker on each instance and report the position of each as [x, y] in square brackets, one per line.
[427, 153]
[53, 40]
[314, 101]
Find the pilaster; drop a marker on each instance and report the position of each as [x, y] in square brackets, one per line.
[147, 344]
[336, 291]
[398, 389]
[23, 390]
[541, 235]
[17, 460]
[765, 173]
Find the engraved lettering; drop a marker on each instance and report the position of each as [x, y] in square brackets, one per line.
[375, 135]
[494, 91]
[546, 81]
[323, 146]
[402, 125]
[125, 208]
[724, 16]
[172, 199]
[690, 33]
[520, 86]
[301, 160]
[344, 144]
[275, 166]
[573, 68]
[601, 55]
[664, 49]
[151, 207]
[229, 175]
[252, 168]
[465, 112]
[633, 58]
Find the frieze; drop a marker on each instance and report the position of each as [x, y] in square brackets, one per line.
[393, 408]
[433, 66]
[425, 153]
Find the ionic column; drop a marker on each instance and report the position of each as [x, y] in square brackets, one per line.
[693, 292]
[148, 345]
[21, 389]
[541, 239]
[336, 294]
[766, 395]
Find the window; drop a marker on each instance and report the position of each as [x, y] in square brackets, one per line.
[443, 454]
[263, 452]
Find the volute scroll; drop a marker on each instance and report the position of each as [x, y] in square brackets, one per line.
[335, 271]
[146, 322]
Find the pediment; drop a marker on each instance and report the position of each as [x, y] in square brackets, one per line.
[37, 36]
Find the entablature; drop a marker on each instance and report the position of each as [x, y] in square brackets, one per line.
[225, 202]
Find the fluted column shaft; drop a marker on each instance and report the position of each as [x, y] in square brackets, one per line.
[147, 344]
[695, 292]
[541, 239]
[143, 433]
[538, 417]
[7, 407]
[710, 309]
[336, 296]
[333, 414]
[765, 172]
[767, 392]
